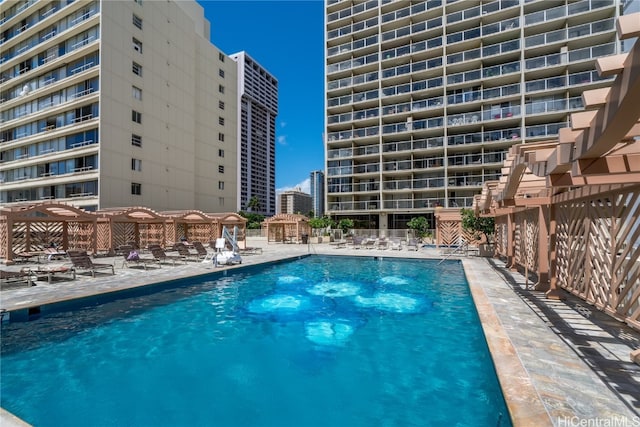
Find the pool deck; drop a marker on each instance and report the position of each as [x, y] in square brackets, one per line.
[560, 363]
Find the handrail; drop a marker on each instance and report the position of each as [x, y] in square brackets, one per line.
[464, 246]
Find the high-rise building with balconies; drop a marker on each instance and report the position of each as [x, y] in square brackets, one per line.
[316, 185]
[107, 104]
[258, 91]
[424, 98]
[295, 202]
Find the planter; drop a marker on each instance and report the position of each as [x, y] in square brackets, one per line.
[485, 250]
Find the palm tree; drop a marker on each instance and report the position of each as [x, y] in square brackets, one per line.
[254, 203]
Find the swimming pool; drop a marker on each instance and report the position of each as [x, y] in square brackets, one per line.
[321, 341]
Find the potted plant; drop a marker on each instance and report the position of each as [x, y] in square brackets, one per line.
[483, 227]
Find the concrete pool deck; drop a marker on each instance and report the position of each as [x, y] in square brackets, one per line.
[560, 363]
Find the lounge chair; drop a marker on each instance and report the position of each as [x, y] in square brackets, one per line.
[383, 243]
[412, 245]
[22, 276]
[184, 252]
[52, 270]
[396, 245]
[130, 260]
[161, 256]
[82, 261]
[202, 251]
[357, 242]
[369, 243]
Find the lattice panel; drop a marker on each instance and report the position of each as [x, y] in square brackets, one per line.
[4, 237]
[43, 234]
[170, 236]
[501, 236]
[181, 231]
[19, 237]
[152, 234]
[526, 239]
[449, 232]
[123, 233]
[598, 252]
[103, 234]
[80, 235]
[201, 233]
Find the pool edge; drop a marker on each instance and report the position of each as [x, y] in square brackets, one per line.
[523, 401]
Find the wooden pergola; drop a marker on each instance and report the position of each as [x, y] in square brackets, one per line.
[286, 228]
[139, 226]
[569, 209]
[34, 227]
[192, 225]
[231, 220]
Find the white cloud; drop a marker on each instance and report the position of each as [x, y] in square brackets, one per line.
[282, 140]
[304, 186]
[283, 124]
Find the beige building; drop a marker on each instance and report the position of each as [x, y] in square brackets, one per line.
[107, 103]
[294, 202]
[424, 98]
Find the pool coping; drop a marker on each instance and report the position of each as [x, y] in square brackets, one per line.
[523, 401]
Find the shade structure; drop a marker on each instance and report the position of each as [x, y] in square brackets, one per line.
[286, 228]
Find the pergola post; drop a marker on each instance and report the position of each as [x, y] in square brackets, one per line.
[553, 292]
[543, 249]
[511, 260]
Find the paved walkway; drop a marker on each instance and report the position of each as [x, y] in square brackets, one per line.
[560, 363]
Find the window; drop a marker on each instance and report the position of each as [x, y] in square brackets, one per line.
[136, 165]
[136, 92]
[137, 45]
[220, 185]
[221, 72]
[221, 153]
[136, 116]
[136, 188]
[220, 88]
[221, 201]
[220, 168]
[136, 140]
[221, 121]
[138, 1]
[137, 69]
[137, 21]
[221, 56]
[220, 136]
[221, 105]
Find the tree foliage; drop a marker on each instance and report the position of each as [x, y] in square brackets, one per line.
[420, 225]
[254, 203]
[345, 224]
[254, 220]
[478, 224]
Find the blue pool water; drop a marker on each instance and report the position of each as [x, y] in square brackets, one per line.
[321, 341]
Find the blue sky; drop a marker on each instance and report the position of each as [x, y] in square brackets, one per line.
[285, 37]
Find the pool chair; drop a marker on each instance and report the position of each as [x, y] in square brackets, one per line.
[51, 271]
[396, 245]
[412, 245]
[132, 258]
[184, 252]
[357, 242]
[22, 276]
[159, 254]
[82, 261]
[383, 243]
[203, 253]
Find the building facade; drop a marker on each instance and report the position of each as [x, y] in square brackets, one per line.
[258, 91]
[108, 104]
[424, 98]
[316, 179]
[295, 202]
